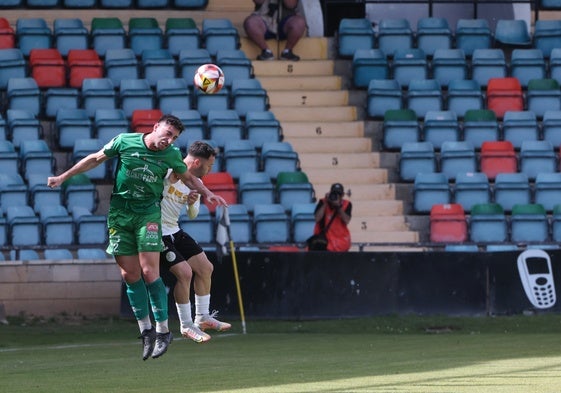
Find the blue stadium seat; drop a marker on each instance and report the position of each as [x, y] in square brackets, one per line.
[24, 226]
[400, 126]
[80, 191]
[408, 65]
[135, 94]
[157, 64]
[488, 223]
[383, 95]
[12, 65]
[248, 95]
[121, 64]
[235, 64]
[537, 157]
[70, 33]
[23, 126]
[144, 34]
[116, 3]
[551, 127]
[546, 190]
[42, 3]
[543, 95]
[36, 158]
[354, 34]
[24, 93]
[520, 126]
[369, 64]
[430, 189]
[511, 189]
[240, 156]
[40, 194]
[471, 188]
[473, 34]
[9, 158]
[424, 95]
[480, 125]
[172, 94]
[190, 60]
[463, 95]
[487, 64]
[527, 64]
[278, 157]
[241, 224]
[107, 33]
[79, 3]
[57, 224]
[71, 125]
[303, 221]
[207, 102]
[271, 223]
[13, 190]
[90, 228]
[449, 65]
[255, 188]
[556, 223]
[528, 223]
[190, 4]
[84, 147]
[24, 255]
[262, 126]
[440, 126]
[432, 34]
[219, 34]
[224, 125]
[33, 33]
[201, 227]
[547, 34]
[58, 254]
[91, 254]
[394, 33]
[98, 93]
[151, 4]
[180, 34]
[456, 157]
[512, 32]
[109, 123]
[56, 98]
[416, 157]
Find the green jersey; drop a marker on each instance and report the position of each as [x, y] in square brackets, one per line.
[140, 172]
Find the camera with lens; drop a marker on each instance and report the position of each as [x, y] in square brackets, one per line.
[333, 196]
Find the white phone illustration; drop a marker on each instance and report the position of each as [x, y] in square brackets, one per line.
[534, 267]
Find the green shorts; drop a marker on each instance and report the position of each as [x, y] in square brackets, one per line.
[131, 233]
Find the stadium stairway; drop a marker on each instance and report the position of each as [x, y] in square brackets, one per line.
[311, 101]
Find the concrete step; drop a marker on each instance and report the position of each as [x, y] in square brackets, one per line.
[309, 98]
[300, 68]
[321, 129]
[301, 113]
[377, 223]
[386, 207]
[326, 82]
[339, 160]
[359, 191]
[308, 48]
[346, 176]
[331, 145]
[385, 237]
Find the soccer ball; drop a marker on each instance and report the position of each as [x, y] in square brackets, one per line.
[209, 78]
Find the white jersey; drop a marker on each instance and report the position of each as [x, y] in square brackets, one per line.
[174, 198]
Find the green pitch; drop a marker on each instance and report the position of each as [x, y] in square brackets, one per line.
[391, 354]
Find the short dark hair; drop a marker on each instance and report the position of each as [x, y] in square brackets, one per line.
[172, 121]
[201, 149]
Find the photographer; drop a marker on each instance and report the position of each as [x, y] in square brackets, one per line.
[334, 212]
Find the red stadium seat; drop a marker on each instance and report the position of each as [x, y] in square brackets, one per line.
[82, 64]
[7, 35]
[448, 223]
[143, 120]
[504, 94]
[221, 183]
[47, 67]
[498, 157]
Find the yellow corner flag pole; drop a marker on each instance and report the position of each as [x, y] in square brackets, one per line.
[238, 288]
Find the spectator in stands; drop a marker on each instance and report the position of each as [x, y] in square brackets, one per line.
[334, 213]
[278, 19]
[182, 255]
[134, 218]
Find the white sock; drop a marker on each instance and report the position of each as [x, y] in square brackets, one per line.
[184, 313]
[144, 324]
[162, 327]
[202, 304]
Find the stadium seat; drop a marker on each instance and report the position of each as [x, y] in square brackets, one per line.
[224, 125]
[79, 3]
[107, 33]
[464, 95]
[241, 224]
[70, 33]
[36, 158]
[504, 94]
[12, 65]
[116, 3]
[7, 35]
[24, 93]
[488, 223]
[108, 123]
[149, 4]
[157, 64]
[41, 3]
[190, 4]
[528, 223]
[23, 126]
[190, 60]
[84, 147]
[487, 64]
[303, 221]
[293, 187]
[400, 126]
[70, 125]
[471, 188]
[24, 226]
[461, 248]
[271, 223]
[80, 191]
[240, 156]
[218, 34]
[121, 64]
[13, 190]
[394, 33]
[261, 127]
[537, 157]
[82, 64]
[369, 64]
[143, 120]
[480, 125]
[546, 190]
[439, 127]
[135, 94]
[90, 228]
[24, 255]
[473, 34]
[98, 93]
[424, 95]
[556, 223]
[551, 127]
[354, 34]
[511, 189]
[449, 65]
[201, 227]
[40, 194]
[219, 101]
[173, 94]
[248, 95]
[235, 64]
[180, 34]
[56, 98]
[512, 32]
[91, 254]
[527, 64]
[58, 254]
[195, 128]
[383, 95]
[57, 224]
[547, 34]
[416, 157]
[33, 33]
[448, 224]
[543, 95]
[221, 183]
[430, 189]
[255, 188]
[9, 159]
[520, 126]
[144, 33]
[497, 157]
[278, 157]
[47, 67]
[409, 65]
[433, 33]
[555, 64]
[456, 157]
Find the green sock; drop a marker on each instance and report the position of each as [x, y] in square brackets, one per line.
[138, 298]
[158, 299]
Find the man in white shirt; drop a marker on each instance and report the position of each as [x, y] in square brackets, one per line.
[182, 255]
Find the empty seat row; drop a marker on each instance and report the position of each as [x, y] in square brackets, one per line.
[110, 4]
[58, 253]
[487, 223]
[143, 33]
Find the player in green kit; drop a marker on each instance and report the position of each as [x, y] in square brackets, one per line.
[134, 218]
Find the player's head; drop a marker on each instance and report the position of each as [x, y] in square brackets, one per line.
[200, 158]
[165, 132]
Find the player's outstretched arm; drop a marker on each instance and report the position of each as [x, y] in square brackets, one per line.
[85, 164]
[194, 183]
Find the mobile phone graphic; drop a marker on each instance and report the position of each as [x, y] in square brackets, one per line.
[534, 267]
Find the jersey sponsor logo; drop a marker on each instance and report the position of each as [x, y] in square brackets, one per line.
[152, 227]
[142, 173]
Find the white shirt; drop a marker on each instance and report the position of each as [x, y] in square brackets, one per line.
[174, 198]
